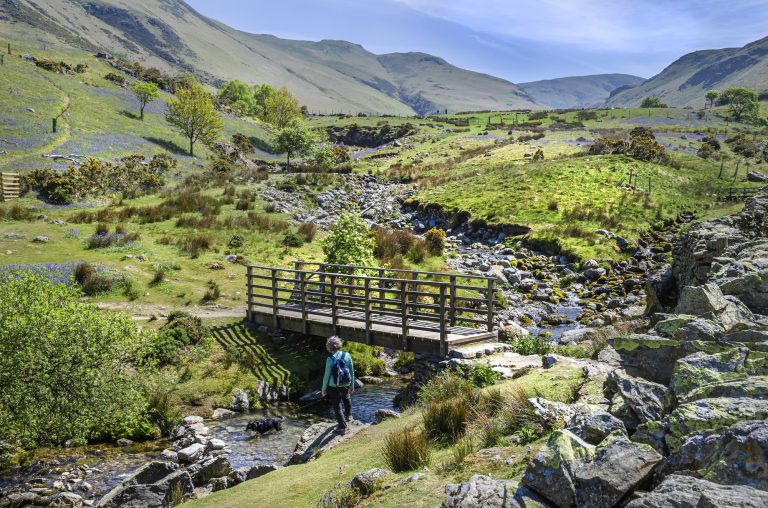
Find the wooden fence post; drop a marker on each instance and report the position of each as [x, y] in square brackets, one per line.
[275, 317]
[736, 173]
[249, 308]
[53, 122]
[491, 303]
[368, 311]
[722, 164]
[443, 324]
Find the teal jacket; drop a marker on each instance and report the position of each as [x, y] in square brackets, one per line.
[327, 381]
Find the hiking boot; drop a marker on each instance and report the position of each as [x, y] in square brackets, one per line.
[340, 431]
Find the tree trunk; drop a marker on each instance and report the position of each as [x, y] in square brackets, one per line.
[288, 160]
[142, 112]
[191, 147]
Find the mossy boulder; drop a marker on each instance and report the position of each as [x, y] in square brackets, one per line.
[700, 369]
[649, 401]
[752, 387]
[711, 415]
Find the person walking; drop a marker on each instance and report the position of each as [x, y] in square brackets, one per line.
[339, 382]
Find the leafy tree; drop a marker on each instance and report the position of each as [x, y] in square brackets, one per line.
[741, 101]
[145, 93]
[240, 97]
[349, 242]
[295, 139]
[711, 96]
[68, 370]
[260, 94]
[193, 113]
[281, 108]
[653, 102]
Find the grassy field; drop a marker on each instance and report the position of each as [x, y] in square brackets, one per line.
[303, 485]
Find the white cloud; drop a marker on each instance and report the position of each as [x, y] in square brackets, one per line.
[608, 25]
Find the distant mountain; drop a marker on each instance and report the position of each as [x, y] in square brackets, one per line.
[685, 81]
[578, 91]
[327, 76]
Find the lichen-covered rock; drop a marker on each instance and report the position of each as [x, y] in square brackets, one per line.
[484, 492]
[652, 434]
[651, 356]
[240, 402]
[648, 400]
[212, 467]
[709, 301]
[687, 492]
[570, 472]
[711, 415]
[595, 426]
[550, 473]
[700, 329]
[701, 369]
[752, 387]
[367, 482]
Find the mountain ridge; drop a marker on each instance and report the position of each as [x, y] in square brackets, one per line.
[578, 91]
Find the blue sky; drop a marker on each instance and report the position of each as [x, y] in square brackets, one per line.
[516, 40]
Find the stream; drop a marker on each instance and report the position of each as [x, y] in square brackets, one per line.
[102, 467]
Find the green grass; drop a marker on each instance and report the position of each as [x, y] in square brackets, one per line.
[566, 200]
[303, 485]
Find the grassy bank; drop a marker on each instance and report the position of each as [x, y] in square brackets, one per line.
[303, 485]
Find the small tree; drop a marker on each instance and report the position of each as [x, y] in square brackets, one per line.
[193, 113]
[710, 97]
[742, 102]
[281, 108]
[295, 139]
[349, 242]
[653, 102]
[145, 93]
[240, 97]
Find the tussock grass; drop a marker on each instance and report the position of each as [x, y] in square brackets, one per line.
[406, 450]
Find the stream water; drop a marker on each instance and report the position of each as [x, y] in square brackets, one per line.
[108, 465]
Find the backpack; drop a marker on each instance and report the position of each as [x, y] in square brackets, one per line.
[339, 371]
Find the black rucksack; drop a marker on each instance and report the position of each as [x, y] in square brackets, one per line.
[340, 372]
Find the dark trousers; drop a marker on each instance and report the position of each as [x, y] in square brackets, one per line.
[339, 397]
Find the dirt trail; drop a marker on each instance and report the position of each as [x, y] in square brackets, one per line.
[144, 311]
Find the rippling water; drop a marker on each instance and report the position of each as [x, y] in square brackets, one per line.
[111, 464]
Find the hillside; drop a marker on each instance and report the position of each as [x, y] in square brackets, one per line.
[578, 91]
[685, 81]
[327, 76]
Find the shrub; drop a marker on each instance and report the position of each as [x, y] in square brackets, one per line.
[406, 450]
[90, 280]
[87, 384]
[481, 374]
[366, 363]
[243, 204]
[446, 420]
[435, 239]
[131, 290]
[538, 156]
[193, 326]
[489, 431]
[166, 344]
[341, 495]
[212, 293]
[349, 242]
[418, 252]
[118, 79]
[106, 240]
[308, 231]
[517, 412]
[530, 345]
[163, 410]
[195, 244]
[236, 241]
[444, 386]
[389, 243]
[158, 275]
[291, 239]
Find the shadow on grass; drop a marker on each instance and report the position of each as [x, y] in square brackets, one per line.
[275, 363]
[167, 145]
[131, 115]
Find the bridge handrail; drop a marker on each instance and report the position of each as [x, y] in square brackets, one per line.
[397, 270]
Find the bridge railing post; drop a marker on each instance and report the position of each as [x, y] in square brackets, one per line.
[381, 289]
[334, 306]
[404, 312]
[368, 311]
[303, 286]
[249, 311]
[491, 302]
[453, 301]
[275, 317]
[443, 324]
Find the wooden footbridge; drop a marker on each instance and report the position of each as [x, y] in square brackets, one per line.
[423, 312]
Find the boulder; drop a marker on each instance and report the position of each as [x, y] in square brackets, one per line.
[240, 402]
[711, 415]
[367, 482]
[212, 467]
[550, 473]
[756, 176]
[709, 301]
[319, 438]
[151, 473]
[700, 329]
[570, 472]
[191, 453]
[688, 492]
[512, 330]
[700, 369]
[651, 356]
[385, 414]
[482, 491]
[648, 400]
[653, 434]
[135, 496]
[249, 473]
[193, 419]
[755, 387]
[222, 414]
[739, 455]
[66, 500]
[595, 426]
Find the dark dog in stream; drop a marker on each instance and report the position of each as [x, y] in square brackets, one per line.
[264, 425]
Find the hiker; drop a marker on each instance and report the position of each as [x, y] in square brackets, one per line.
[339, 382]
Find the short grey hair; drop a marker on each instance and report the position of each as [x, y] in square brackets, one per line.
[334, 344]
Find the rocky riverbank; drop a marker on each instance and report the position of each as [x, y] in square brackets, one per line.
[685, 416]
